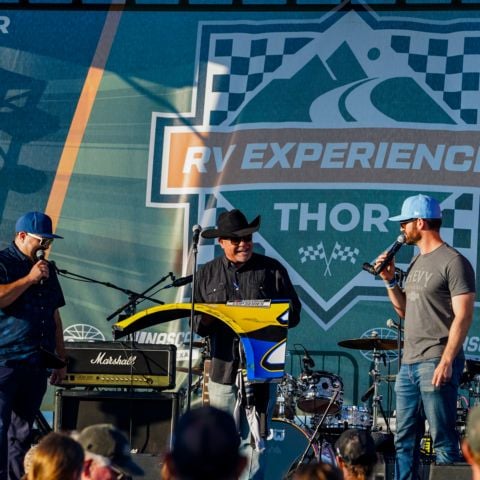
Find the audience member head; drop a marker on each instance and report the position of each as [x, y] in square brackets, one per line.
[107, 454]
[205, 447]
[55, 457]
[317, 471]
[356, 454]
[471, 441]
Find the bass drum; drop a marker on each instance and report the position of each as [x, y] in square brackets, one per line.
[286, 443]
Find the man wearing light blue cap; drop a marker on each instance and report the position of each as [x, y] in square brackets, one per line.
[437, 305]
[31, 340]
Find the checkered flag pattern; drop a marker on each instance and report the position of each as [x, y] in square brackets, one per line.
[312, 253]
[238, 66]
[344, 253]
[450, 67]
[458, 226]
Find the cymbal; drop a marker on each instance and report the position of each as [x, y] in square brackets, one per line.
[370, 343]
[390, 378]
[195, 370]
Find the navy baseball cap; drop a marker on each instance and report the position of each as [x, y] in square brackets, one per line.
[37, 223]
[418, 206]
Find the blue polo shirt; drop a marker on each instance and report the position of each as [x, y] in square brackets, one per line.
[28, 323]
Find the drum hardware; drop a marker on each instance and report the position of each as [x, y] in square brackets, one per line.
[372, 343]
[314, 435]
[285, 443]
[350, 416]
[377, 398]
[376, 344]
[317, 389]
[470, 380]
[287, 391]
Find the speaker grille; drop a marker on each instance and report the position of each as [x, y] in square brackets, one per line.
[147, 419]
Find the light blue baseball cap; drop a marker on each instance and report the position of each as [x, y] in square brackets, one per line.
[418, 206]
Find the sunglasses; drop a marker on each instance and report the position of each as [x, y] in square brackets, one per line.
[405, 222]
[44, 242]
[238, 240]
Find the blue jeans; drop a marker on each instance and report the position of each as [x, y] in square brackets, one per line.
[417, 400]
[21, 392]
[224, 397]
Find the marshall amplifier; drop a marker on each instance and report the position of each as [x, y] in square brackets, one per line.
[120, 364]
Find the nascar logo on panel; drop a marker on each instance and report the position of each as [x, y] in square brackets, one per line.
[306, 120]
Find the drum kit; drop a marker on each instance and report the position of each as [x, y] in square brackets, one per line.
[310, 413]
[319, 395]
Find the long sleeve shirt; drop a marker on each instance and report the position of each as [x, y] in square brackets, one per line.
[219, 281]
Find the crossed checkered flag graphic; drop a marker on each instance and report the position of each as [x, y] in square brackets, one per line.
[345, 253]
[312, 253]
[339, 252]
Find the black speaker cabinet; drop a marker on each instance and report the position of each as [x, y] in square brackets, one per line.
[457, 471]
[146, 418]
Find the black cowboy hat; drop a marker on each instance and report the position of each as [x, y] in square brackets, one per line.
[232, 224]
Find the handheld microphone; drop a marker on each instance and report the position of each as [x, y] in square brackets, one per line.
[392, 324]
[196, 233]
[40, 255]
[390, 254]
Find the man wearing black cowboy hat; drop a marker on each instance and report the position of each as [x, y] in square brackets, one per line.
[240, 274]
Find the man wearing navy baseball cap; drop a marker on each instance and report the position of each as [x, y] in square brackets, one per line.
[437, 305]
[31, 344]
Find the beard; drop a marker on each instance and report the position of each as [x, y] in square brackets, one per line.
[413, 237]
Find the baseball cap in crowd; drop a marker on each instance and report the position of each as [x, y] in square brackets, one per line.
[356, 447]
[418, 206]
[472, 433]
[205, 444]
[107, 441]
[37, 223]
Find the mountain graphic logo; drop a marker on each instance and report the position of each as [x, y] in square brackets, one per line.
[324, 127]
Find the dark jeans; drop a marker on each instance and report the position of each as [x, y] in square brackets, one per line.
[21, 392]
[418, 399]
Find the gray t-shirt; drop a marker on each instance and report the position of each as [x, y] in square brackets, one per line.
[432, 280]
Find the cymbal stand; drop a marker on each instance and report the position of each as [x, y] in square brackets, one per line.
[377, 398]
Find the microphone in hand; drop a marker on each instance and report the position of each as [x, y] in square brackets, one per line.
[391, 253]
[40, 255]
[388, 257]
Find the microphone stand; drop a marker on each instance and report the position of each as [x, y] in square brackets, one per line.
[192, 314]
[134, 296]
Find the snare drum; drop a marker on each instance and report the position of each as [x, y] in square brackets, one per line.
[350, 416]
[317, 390]
[286, 443]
